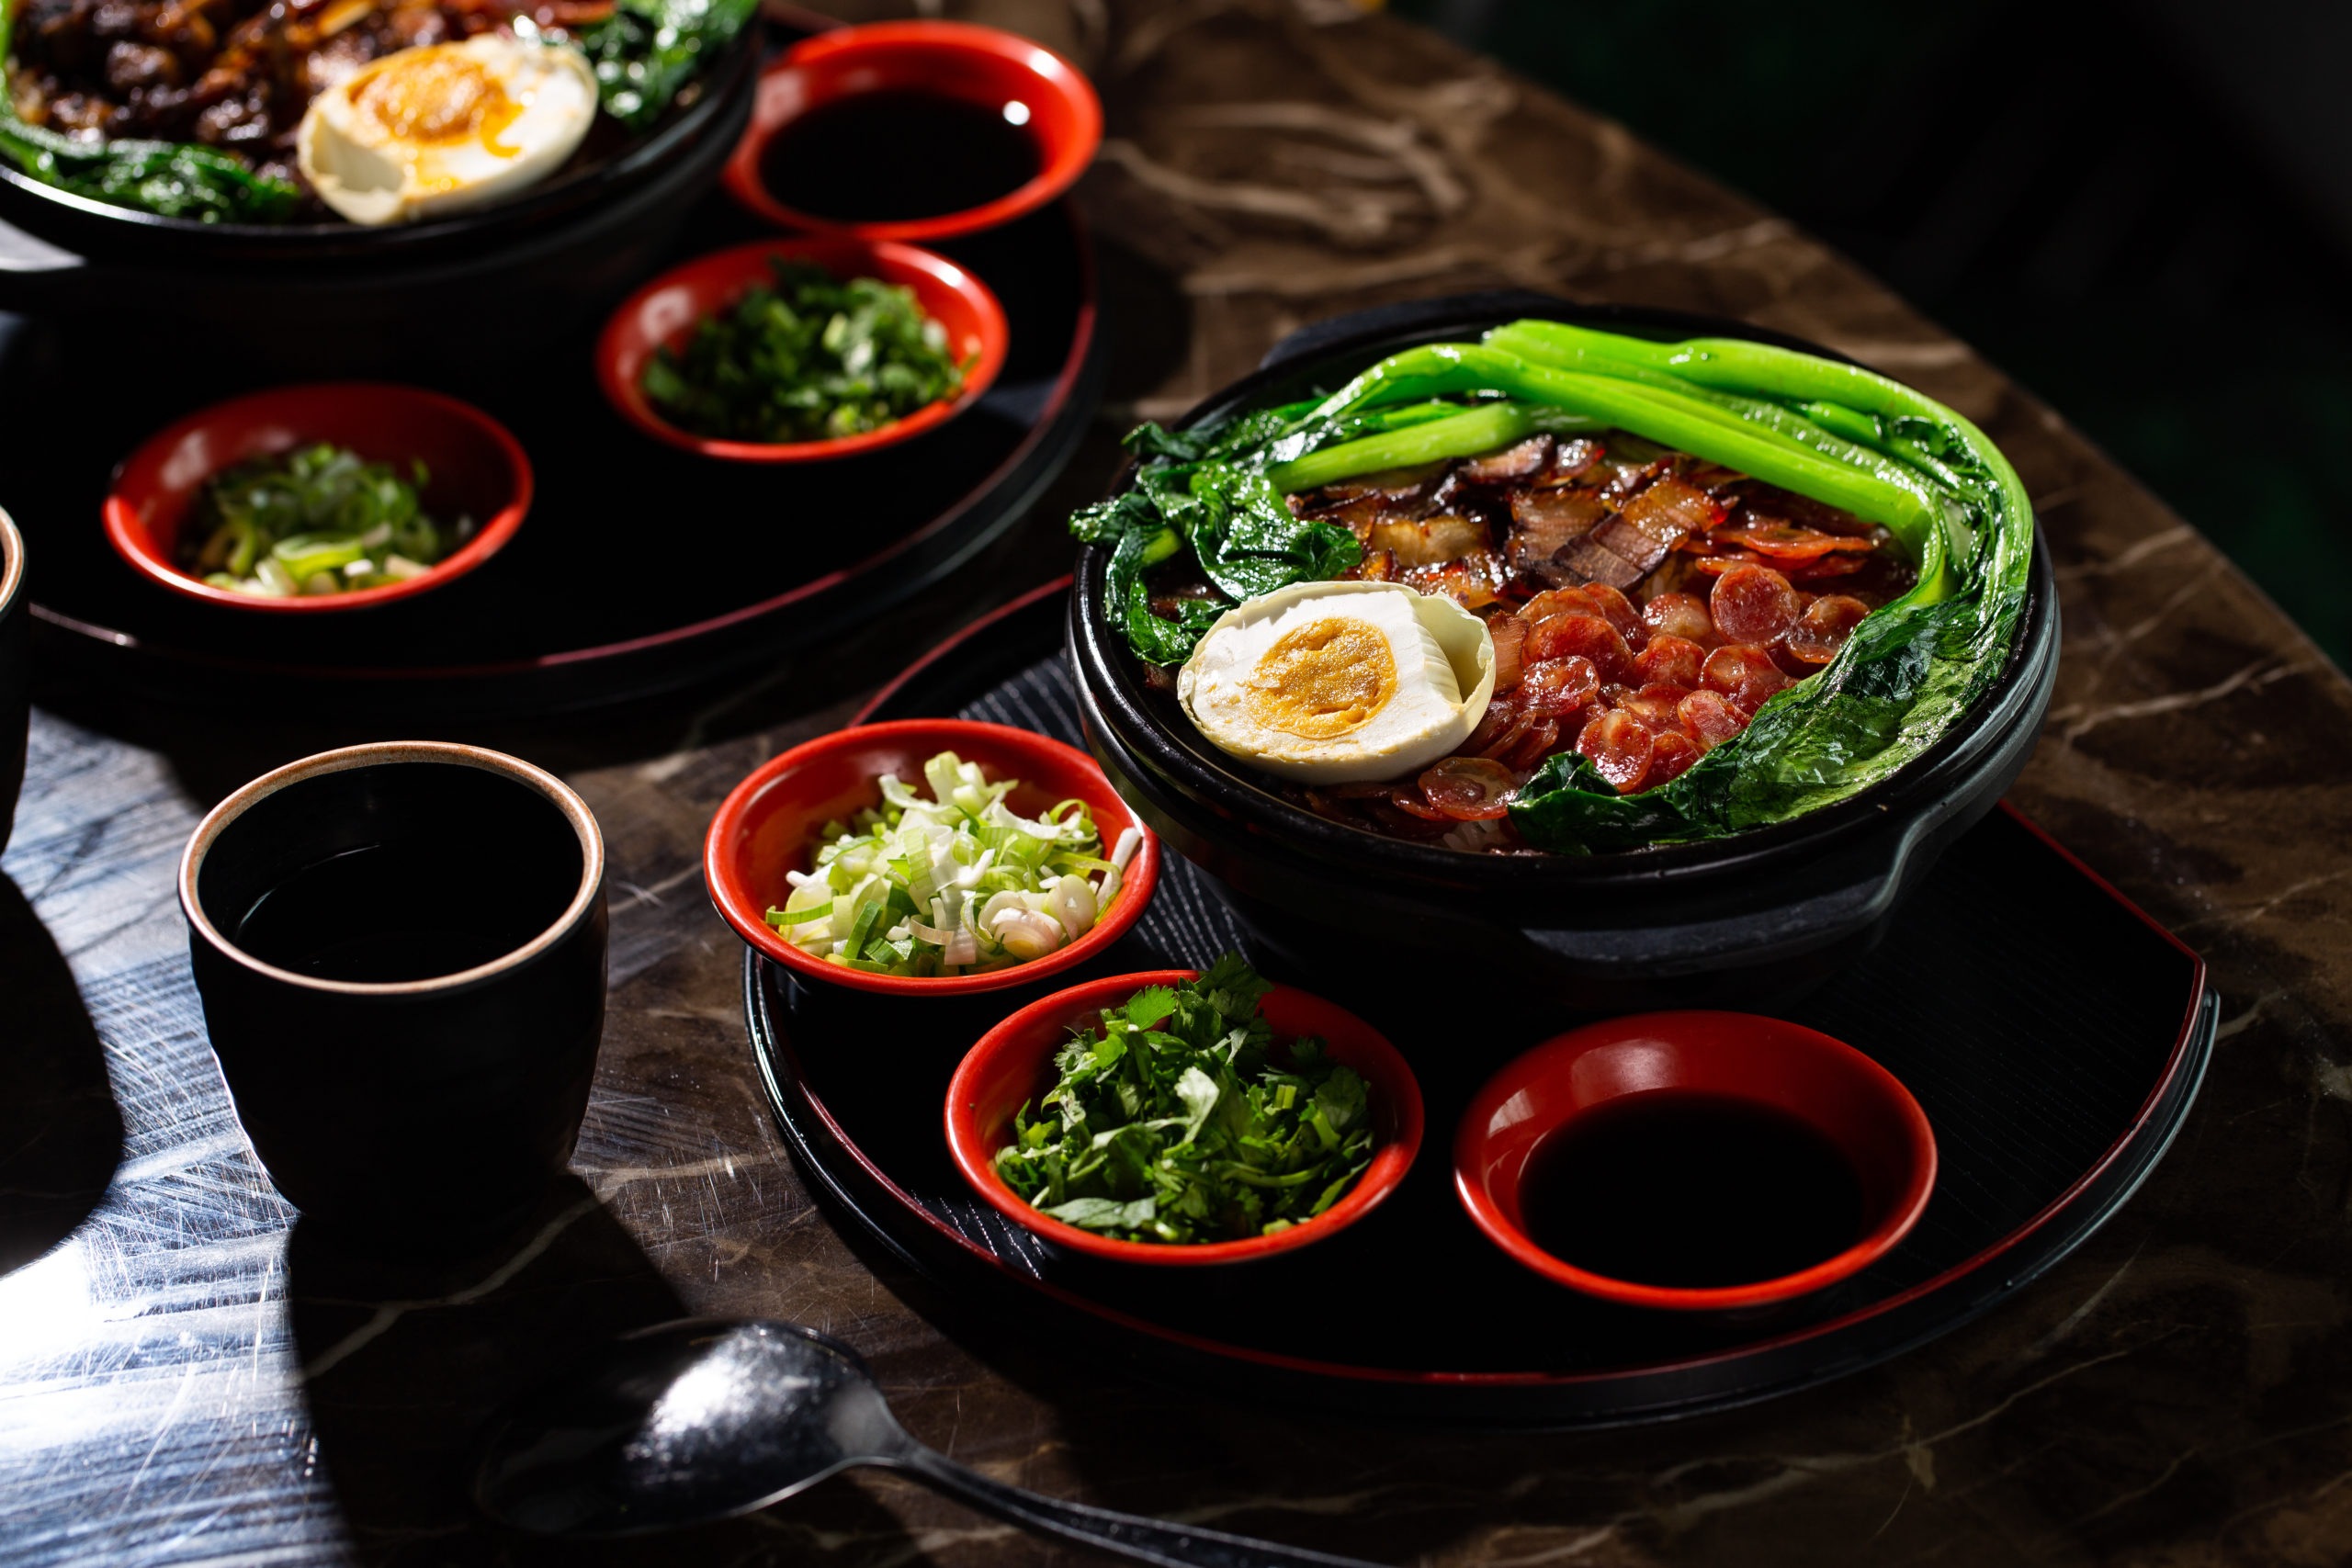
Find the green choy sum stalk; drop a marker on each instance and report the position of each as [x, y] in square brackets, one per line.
[1836, 433]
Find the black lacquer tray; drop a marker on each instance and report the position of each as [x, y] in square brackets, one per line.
[2053, 1034]
[641, 568]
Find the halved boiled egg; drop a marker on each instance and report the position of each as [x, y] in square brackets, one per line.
[1341, 682]
[429, 131]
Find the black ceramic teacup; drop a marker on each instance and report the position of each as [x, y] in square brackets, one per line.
[16, 671]
[400, 949]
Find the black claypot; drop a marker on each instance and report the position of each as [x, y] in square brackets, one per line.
[1744, 921]
[343, 299]
[16, 671]
[423, 1110]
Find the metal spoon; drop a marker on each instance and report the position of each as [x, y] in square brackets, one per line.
[709, 1418]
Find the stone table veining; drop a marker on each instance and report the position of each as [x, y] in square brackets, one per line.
[187, 1377]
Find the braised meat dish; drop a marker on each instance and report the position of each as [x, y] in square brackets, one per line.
[1643, 603]
[235, 74]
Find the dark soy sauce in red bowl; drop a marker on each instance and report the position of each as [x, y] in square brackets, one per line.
[891, 156]
[1689, 1190]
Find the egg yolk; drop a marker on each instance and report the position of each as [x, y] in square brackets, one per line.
[1324, 679]
[435, 97]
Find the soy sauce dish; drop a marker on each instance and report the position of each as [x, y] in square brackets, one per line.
[913, 130]
[1648, 664]
[1290, 1119]
[928, 858]
[1694, 1161]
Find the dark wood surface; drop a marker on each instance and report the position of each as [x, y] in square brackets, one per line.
[187, 1376]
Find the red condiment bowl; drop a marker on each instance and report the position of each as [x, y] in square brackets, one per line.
[1830, 1087]
[1013, 1065]
[977, 65]
[476, 469]
[663, 314]
[771, 821]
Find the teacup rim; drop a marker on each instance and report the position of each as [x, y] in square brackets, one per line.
[12, 560]
[371, 754]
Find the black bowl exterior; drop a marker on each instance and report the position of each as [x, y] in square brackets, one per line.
[426, 1114]
[341, 299]
[16, 671]
[1749, 920]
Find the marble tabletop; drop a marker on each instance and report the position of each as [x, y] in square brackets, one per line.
[186, 1377]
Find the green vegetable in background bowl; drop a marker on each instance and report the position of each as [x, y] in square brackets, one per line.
[813, 358]
[317, 520]
[1176, 1120]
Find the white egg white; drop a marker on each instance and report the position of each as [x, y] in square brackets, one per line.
[429, 131]
[1441, 656]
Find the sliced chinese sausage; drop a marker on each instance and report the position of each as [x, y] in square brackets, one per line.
[1469, 789]
[1658, 706]
[1619, 612]
[1829, 568]
[1786, 541]
[1408, 798]
[1823, 628]
[1675, 660]
[1558, 602]
[1680, 614]
[1672, 753]
[1585, 637]
[1620, 747]
[1752, 603]
[1745, 673]
[1557, 687]
[1542, 738]
[1501, 715]
[1709, 718]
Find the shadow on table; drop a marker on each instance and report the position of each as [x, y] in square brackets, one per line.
[404, 1363]
[59, 1133]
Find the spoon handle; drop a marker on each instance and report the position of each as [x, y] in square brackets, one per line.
[1146, 1541]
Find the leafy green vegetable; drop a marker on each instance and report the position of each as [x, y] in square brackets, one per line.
[811, 359]
[317, 520]
[174, 179]
[1172, 1121]
[648, 50]
[1833, 431]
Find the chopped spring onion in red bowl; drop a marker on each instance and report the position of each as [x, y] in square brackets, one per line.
[929, 856]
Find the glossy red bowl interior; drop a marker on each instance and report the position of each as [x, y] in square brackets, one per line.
[1858, 1105]
[1013, 1065]
[977, 65]
[476, 469]
[770, 823]
[663, 314]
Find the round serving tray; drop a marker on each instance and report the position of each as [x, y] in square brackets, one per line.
[641, 568]
[2052, 1095]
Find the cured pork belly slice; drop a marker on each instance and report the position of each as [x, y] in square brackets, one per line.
[1524, 462]
[1430, 541]
[1544, 521]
